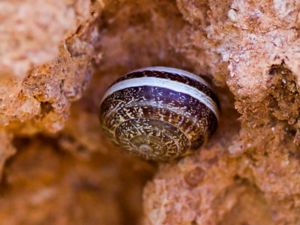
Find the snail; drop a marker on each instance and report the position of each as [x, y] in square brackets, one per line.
[159, 113]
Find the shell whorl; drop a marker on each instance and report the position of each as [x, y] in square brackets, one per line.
[159, 113]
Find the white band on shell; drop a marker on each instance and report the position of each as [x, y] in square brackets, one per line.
[164, 83]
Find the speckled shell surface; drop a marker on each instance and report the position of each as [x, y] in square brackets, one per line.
[159, 113]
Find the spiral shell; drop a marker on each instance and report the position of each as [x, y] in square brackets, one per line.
[159, 113]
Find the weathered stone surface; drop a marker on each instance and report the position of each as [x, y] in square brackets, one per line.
[253, 48]
[46, 54]
[247, 174]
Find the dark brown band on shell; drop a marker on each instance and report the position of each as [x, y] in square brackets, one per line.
[153, 99]
[171, 76]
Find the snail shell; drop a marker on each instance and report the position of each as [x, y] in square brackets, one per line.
[159, 113]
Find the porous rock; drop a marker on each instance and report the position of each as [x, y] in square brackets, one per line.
[252, 177]
[248, 173]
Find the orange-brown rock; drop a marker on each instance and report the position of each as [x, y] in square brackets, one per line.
[53, 53]
[46, 54]
[44, 185]
[253, 177]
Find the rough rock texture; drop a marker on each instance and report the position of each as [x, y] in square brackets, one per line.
[251, 175]
[46, 54]
[43, 185]
[64, 170]
[47, 49]
[40, 181]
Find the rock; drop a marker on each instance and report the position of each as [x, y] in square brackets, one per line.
[251, 47]
[58, 57]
